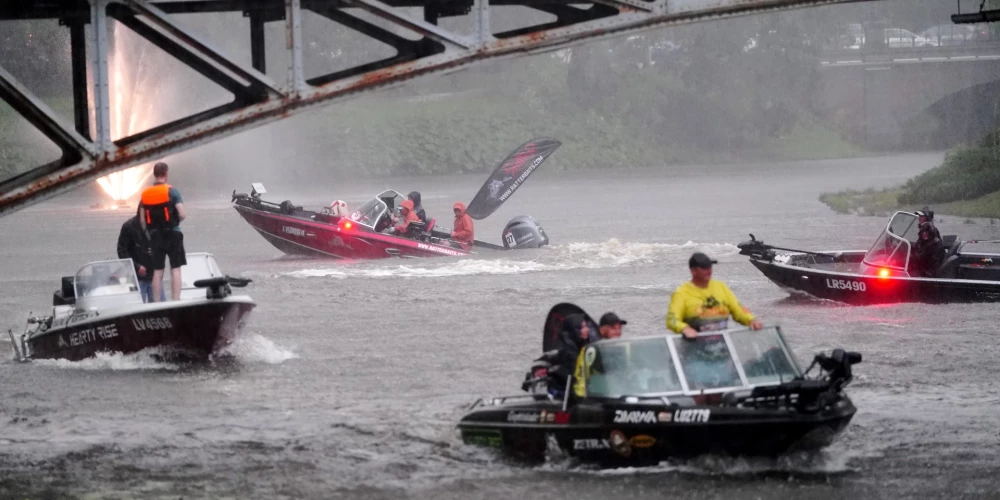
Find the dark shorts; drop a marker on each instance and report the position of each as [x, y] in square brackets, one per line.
[167, 244]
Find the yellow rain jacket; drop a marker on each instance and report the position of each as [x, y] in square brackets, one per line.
[697, 307]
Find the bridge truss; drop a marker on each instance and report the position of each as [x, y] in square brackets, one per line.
[88, 151]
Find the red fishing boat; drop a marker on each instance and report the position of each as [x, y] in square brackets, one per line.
[367, 232]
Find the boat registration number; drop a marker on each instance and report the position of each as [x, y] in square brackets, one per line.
[857, 286]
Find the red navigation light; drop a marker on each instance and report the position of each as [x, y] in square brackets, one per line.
[348, 225]
[883, 273]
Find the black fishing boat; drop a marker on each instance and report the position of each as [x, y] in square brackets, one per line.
[647, 399]
[100, 309]
[885, 273]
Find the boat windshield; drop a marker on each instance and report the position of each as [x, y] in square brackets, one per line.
[671, 365]
[112, 277]
[641, 366]
[371, 213]
[892, 248]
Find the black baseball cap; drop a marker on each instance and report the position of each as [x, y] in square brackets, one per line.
[611, 319]
[701, 260]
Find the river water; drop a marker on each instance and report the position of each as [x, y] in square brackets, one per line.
[350, 376]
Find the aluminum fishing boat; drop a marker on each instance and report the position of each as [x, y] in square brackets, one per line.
[100, 309]
[884, 273]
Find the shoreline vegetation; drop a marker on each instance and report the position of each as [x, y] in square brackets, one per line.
[468, 133]
[966, 184]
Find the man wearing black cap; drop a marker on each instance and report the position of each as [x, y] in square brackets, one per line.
[611, 326]
[925, 217]
[704, 304]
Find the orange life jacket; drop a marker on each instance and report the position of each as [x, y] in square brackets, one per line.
[161, 213]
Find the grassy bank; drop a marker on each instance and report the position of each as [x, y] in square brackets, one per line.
[882, 202]
[471, 132]
[966, 184]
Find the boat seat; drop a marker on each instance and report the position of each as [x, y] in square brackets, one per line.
[65, 295]
[327, 217]
[430, 225]
[949, 269]
[952, 245]
[415, 229]
[287, 207]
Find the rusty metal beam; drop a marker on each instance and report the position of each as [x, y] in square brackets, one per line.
[197, 48]
[439, 51]
[422, 27]
[43, 118]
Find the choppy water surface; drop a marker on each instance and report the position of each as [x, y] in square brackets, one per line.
[351, 376]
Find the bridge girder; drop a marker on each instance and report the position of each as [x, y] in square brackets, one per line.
[257, 100]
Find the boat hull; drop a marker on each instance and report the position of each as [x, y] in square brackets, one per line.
[193, 328]
[857, 289]
[591, 433]
[299, 236]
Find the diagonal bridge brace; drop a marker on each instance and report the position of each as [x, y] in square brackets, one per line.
[258, 100]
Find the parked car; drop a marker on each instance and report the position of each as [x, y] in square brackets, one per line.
[896, 38]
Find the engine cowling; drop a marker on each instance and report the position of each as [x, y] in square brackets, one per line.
[523, 232]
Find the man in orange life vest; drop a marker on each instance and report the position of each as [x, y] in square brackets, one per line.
[160, 213]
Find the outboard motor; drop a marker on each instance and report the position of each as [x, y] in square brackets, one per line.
[838, 366]
[753, 248]
[524, 232]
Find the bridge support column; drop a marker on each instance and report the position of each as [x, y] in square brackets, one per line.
[78, 63]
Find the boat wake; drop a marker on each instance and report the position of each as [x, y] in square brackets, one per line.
[255, 348]
[249, 349]
[152, 359]
[609, 254]
[820, 463]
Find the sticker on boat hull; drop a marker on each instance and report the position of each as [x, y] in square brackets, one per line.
[853, 285]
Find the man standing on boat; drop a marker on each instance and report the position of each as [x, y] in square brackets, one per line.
[160, 213]
[133, 243]
[704, 304]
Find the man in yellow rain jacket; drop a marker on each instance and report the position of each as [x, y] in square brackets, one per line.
[704, 304]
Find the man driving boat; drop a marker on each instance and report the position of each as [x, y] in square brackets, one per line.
[407, 215]
[418, 209]
[926, 217]
[928, 252]
[704, 304]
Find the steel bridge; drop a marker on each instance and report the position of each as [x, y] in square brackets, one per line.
[88, 151]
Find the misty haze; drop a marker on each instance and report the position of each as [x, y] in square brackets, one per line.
[858, 143]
